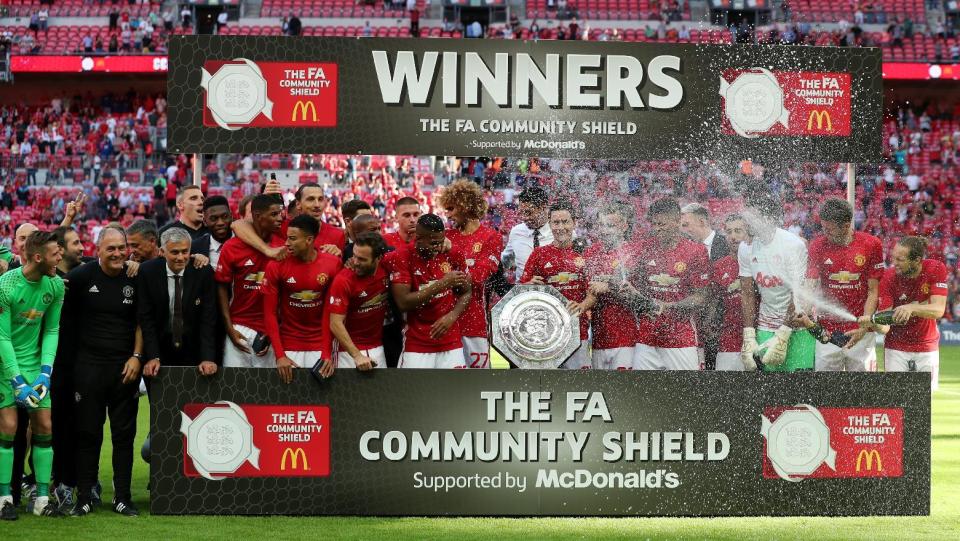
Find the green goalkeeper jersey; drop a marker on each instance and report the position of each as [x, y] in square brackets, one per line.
[28, 309]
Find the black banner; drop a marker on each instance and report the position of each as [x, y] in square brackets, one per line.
[502, 97]
[431, 442]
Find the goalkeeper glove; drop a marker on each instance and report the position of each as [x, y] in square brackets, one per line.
[777, 352]
[749, 346]
[24, 394]
[42, 383]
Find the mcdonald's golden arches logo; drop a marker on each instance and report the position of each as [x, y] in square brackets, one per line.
[822, 117]
[303, 106]
[871, 456]
[298, 456]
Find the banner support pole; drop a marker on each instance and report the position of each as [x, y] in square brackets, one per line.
[851, 185]
[196, 170]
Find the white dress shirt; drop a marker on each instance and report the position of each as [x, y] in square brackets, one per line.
[520, 244]
[214, 254]
[170, 290]
[708, 242]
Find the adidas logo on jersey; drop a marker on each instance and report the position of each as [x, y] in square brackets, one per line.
[651, 263]
[548, 265]
[94, 289]
[903, 297]
[828, 261]
[417, 273]
[291, 280]
[248, 263]
[362, 294]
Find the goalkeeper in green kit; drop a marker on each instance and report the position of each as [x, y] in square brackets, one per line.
[31, 298]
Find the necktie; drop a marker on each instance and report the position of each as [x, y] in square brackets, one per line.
[177, 325]
[536, 238]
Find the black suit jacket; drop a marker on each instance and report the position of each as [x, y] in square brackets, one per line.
[199, 314]
[201, 246]
[719, 248]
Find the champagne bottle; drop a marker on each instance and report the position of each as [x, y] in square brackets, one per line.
[826, 337]
[882, 318]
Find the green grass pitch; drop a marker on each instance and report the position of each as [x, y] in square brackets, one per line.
[943, 522]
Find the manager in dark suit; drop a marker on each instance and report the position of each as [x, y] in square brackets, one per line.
[695, 222]
[176, 308]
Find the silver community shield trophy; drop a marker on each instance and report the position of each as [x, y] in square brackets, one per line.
[532, 328]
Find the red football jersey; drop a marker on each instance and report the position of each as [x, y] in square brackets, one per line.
[363, 300]
[669, 276]
[407, 267]
[614, 324]
[895, 290]
[393, 239]
[563, 269]
[481, 252]
[725, 278]
[243, 268]
[299, 288]
[328, 235]
[843, 272]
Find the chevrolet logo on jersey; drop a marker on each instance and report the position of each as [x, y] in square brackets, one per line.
[563, 278]
[305, 296]
[31, 314]
[375, 301]
[663, 280]
[254, 277]
[845, 277]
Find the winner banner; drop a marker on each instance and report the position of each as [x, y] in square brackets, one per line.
[530, 443]
[571, 99]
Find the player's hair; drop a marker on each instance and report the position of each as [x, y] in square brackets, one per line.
[836, 211]
[304, 186]
[534, 195]
[561, 205]
[626, 212]
[262, 203]
[916, 247]
[697, 210]
[60, 234]
[243, 204]
[431, 222]
[175, 234]
[145, 228]
[36, 241]
[374, 241]
[363, 219]
[732, 217]
[762, 199]
[350, 209]
[664, 205]
[407, 201]
[465, 195]
[215, 201]
[306, 223]
[183, 191]
[111, 227]
[291, 206]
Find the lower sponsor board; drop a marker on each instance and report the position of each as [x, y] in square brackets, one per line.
[540, 442]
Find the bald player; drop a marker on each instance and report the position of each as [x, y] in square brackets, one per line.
[19, 240]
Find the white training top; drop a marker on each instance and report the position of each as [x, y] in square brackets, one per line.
[776, 268]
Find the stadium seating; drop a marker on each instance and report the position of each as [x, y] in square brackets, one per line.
[883, 11]
[623, 10]
[78, 8]
[328, 9]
